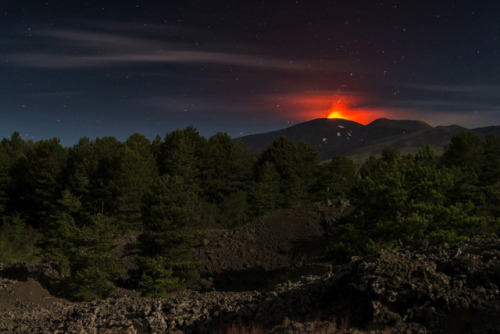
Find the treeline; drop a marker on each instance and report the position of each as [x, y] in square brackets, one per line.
[417, 199]
[70, 204]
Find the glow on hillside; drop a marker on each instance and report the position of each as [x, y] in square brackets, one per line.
[343, 105]
[338, 110]
[347, 105]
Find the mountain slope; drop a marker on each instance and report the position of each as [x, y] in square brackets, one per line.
[317, 132]
[332, 137]
[489, 130]
[410, 142]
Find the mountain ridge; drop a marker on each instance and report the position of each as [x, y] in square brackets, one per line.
[337, 136]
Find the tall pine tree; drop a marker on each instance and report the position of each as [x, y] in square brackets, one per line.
[136, 171]
[169, 213]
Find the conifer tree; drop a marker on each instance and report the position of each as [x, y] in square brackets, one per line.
[170, 211]
[136, 171]
[60, 232]
[334, 179]
[93, 267]
[265, 191]
[225, 174]
[296, 164]
[82, 249]
[4, 180]
[38, 180]
[180, 155]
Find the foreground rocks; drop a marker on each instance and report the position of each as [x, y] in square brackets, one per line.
[446, 289]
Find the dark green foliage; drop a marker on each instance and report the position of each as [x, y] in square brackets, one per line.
[82, 250]
[61, 233]
[410, 200]
[225, 174]
[15, 147]
[490, 171]
[295, 164]
[169, 204]
[351, 242]
[93, 268]
[67, 204]
[90, 174]
[157, 277]
[12, 151]
[476, 163]
[136, 171]
[156, 147]
[90, 171]
[334, 179]
[180, 155]
[233, 210]
[37, 180]
[265, 191]
[170, 212]
[81, 174]
[466, 152]
[4, 179]
[226, 168]
[17, 240]
[103, 191]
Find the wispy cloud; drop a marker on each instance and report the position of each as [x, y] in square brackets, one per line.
[51, 60]
[475, 89]
[199, 105]
[75, 49]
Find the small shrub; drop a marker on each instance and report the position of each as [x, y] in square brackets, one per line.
[17, 240]
[157, 277]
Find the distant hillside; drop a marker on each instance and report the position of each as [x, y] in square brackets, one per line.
[332, 137]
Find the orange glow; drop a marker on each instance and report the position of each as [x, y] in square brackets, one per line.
[307, 106]
[336, 114]
[338, 109]
[346, 106]
[363, 116]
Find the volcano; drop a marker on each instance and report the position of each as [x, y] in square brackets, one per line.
[331, 137]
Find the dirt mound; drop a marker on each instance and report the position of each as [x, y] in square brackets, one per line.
[31, 291]
[23, 303]
[44, 273]
[278, 245]
[283, 239]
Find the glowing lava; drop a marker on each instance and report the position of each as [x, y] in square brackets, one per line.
[349, 105]
[336, 114]
[338, 108]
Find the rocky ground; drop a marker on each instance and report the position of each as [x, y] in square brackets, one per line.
[445, 289]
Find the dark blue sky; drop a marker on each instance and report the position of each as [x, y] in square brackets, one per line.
[70, 69]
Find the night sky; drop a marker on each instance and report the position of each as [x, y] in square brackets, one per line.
[77, 68]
